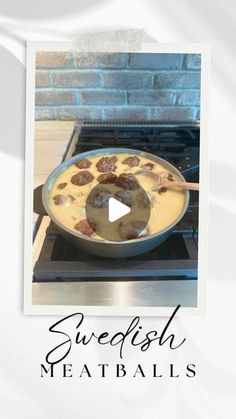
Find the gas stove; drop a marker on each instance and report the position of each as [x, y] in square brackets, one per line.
[171, 268]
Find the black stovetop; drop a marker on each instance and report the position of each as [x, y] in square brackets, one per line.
[177, 256]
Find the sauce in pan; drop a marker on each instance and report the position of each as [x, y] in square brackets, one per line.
[69, 192]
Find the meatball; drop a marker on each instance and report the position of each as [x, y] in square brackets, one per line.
[88, 229]
[106, 164]
[83, 164]
[59, 199]
[131, 161]
[107, 178]
[170, 177]
[143, 200]
[132, 230]
[127, 181]
[148, 166]
[82, 178]
[61, 186]
[125, 197]
[62, 199]
[162, 190]
[99, 197]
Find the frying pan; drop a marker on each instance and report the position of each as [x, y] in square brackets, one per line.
[106, 248]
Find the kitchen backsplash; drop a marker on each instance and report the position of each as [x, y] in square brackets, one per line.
[138, 86]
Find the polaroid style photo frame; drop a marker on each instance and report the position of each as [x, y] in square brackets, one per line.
[152, 101]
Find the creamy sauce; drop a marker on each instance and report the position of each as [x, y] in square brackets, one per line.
[165, 207]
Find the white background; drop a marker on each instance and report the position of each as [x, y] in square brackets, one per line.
[211, 339]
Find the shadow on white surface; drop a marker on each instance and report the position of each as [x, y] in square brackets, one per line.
[222, 218]
[27, 9]
[12, 105]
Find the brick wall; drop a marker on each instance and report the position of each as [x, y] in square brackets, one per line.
[112, 86]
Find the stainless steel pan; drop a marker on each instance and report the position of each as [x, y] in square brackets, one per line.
[108, 248]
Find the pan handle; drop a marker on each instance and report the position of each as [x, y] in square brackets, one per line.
[38, 202]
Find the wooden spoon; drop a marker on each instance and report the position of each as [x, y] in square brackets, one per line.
[166, 180]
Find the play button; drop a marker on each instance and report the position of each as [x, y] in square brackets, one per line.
[119, 214]
[116, 210]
